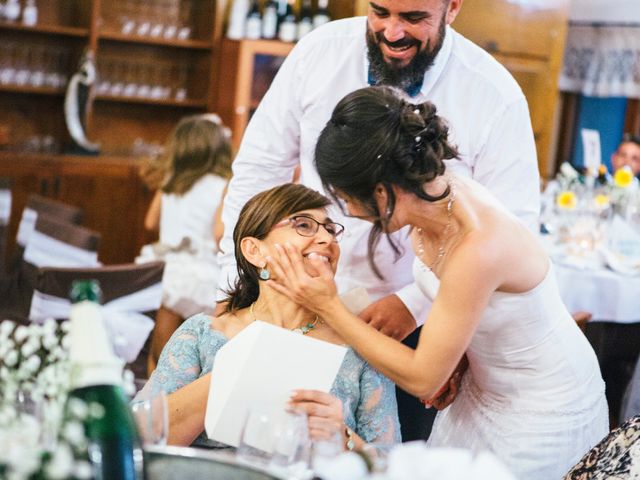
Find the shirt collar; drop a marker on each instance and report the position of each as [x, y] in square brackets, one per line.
[431, 76]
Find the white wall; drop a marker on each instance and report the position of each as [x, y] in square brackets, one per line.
[613, 11]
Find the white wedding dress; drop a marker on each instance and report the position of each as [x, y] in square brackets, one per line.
[533, 394]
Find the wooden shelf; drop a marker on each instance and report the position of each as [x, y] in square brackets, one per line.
[28, 89]
[46, 29]
[163, 42]
[68, 158]
[265, 47]
[150, 101]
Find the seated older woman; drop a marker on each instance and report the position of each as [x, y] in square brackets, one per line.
[361, 403]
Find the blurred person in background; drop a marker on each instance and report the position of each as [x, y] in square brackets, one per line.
[627, 154]
[186, 210]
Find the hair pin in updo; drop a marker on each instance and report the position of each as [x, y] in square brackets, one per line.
[418, 144]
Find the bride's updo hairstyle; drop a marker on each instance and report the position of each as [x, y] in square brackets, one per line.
[257, 218]
[376, 136]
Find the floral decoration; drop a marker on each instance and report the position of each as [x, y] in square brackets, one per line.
[567, 200]
[42, 434]
[623, 178]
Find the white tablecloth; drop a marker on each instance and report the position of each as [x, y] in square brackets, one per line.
[608, 295]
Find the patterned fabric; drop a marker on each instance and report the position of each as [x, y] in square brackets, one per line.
[602, 61]
[368, 398]
[617, 457]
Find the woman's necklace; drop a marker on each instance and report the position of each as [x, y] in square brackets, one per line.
[304, 329]
[447, 227]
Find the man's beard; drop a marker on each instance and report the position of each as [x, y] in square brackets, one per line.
[387, 73]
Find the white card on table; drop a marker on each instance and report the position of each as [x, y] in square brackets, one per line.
[261, 366]
[623, 252]
[591, 149]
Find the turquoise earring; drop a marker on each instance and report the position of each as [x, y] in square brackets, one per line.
[264, 274]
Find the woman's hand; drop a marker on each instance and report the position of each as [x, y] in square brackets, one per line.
[324, 412]
[447, 394]
[292, 279]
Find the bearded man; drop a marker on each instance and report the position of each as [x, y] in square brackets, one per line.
[408, 44]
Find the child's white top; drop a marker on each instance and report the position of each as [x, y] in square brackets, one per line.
[192, 215]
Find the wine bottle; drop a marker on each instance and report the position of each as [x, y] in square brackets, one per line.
[288, 28]
[305, 24]
[322, 14]
[282, 7]
[238, 19]
[253, 27]
[30, 13]
[12, 10]
[114, 446]
[270, 20]
[603, 178]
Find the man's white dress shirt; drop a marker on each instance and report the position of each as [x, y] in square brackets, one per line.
[489, 123]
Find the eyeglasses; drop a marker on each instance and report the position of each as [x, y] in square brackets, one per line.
[307, 226]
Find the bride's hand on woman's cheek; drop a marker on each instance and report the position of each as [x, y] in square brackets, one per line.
[292, 279]
[324, 412]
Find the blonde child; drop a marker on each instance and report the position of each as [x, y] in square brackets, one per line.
[186, 209]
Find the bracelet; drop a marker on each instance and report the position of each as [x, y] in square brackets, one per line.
[350, 444]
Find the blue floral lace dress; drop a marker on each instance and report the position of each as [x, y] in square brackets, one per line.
[368, 398]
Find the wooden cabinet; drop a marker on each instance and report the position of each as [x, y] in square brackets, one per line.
[528, 39]
[156, 62]
[248, 67]
[108, 190]
[247, 70]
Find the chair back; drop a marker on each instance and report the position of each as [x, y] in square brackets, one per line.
[5, 217]
[38, 205]
[130, 292]
[51, 244]
[55, 243]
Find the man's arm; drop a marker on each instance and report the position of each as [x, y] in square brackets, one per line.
[267, 157]
[399, 314]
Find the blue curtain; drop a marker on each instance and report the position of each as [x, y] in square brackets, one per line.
[605, 115]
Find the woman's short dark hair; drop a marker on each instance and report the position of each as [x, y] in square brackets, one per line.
[257, 218]
[377, 136]
[631, 138]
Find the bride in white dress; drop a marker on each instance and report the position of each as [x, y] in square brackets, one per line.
[533, 393]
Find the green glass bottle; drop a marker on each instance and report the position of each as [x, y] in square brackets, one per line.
[114, 446]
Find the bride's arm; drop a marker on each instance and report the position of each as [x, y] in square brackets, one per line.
[471, 276]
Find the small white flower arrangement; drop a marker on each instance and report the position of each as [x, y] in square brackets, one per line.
[41, 430]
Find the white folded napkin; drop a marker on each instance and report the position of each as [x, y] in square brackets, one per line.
[622, 253]
[413, 460]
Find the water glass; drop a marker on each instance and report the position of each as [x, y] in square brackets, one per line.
[257, 437]
[276, 440]
[324, 452]
[292, 444]
[151, 413]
